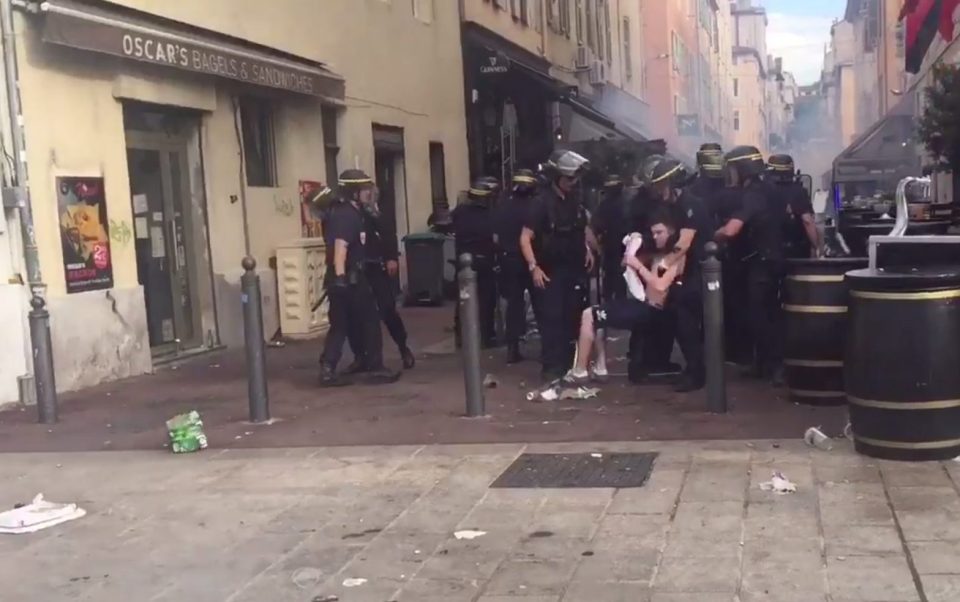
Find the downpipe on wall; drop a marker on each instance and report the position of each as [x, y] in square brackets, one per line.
[19, 197]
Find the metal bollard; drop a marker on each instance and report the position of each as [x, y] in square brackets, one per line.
[43, 372]
[470, 336]
[713, 331]
[253, 337]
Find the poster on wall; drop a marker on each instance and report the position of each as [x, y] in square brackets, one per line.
[309, 215]
[87, 264]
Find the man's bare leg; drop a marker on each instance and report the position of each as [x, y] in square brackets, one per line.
[584, 346]
[600, 351]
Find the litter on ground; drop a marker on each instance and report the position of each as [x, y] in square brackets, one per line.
[779, 484]
[38, 515]
[469, 534]
[354, 582]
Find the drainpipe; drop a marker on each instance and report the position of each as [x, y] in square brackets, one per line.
[20, 196]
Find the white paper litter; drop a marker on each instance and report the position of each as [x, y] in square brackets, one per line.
[779, 484]
[633, 242]
[579, 393]
[353, 582]
[469, 534]
[596, 455]
[38, 515]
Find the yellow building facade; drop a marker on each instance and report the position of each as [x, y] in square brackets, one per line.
[167, 140]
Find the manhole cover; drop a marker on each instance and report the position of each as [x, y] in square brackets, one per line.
[577, 470]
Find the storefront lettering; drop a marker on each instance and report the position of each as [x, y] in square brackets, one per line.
[215, 63]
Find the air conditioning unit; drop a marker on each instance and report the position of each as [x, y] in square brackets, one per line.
[584, 57]
[598, 73]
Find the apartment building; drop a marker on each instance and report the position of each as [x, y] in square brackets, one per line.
[167, 140]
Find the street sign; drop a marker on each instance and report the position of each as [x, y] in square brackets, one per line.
[688, 125]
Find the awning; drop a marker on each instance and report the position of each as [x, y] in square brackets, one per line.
[884, 153]
[582, 123]
[146, 38]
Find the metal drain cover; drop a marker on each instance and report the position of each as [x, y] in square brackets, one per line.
[568, 471]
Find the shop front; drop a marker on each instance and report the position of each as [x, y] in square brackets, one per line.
[160, 155]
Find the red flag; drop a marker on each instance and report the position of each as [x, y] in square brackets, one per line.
[908, 7]
[947, 9]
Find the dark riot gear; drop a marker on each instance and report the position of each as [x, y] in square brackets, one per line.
[484, 190]
[565, 163]
[710, 160]
[669, 171]
[525, 182]
[781, 168]
[746, 162]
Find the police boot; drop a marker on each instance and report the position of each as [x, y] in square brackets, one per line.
[355, 367]
[330, 378]
[381, 376]
[409, 361]
[513, 353]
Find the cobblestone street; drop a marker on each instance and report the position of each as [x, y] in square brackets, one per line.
[298, 524]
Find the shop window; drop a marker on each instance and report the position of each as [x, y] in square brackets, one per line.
[524, 12]
[591, 27]
[607, 34]
[438, 175]
[736, 87]
[331, 147]
[579, 20]
[259, 144]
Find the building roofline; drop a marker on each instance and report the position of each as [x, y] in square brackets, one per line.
[747, 51]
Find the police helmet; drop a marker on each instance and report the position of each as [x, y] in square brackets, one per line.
[710, 160]
[483, 190]
[566, 163]
[321, 197]
[780, 168]
[745, 161]
[669, 171]
[525, 181]
[352, 181]
[646, 171]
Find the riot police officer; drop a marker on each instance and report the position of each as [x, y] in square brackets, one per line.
[474, 233]
[554, 245]
[800, 236]
[515, 280]
[760, 221]
[381, 266]
[695, 227]
[353, 307]
[611, 223]
[709, 185]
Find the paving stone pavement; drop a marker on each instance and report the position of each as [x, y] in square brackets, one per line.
[296, 525]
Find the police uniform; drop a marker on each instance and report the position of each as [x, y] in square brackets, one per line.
[353, 309]
[762, 217]
[515, 280]
[559, 223]
[381, 247]
[796, 203]
[474, 233]
[689, 212]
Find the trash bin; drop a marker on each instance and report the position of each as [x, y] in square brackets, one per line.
[425, 268]
[901, 374]
[815, 327]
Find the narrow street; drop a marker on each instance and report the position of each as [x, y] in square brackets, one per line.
[295, 525]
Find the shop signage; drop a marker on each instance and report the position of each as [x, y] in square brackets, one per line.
[495, 63]
[157, 46]
[84, 234]
[688, 125]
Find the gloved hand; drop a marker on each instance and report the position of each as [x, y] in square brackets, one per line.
[338, 284]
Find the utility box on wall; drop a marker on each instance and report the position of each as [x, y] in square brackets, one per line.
[301, 265]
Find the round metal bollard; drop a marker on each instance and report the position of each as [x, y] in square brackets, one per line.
[258, 395]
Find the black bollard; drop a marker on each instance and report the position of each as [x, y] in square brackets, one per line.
[713, 331]
[43, 374]
[253, 337]
[470, 336]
